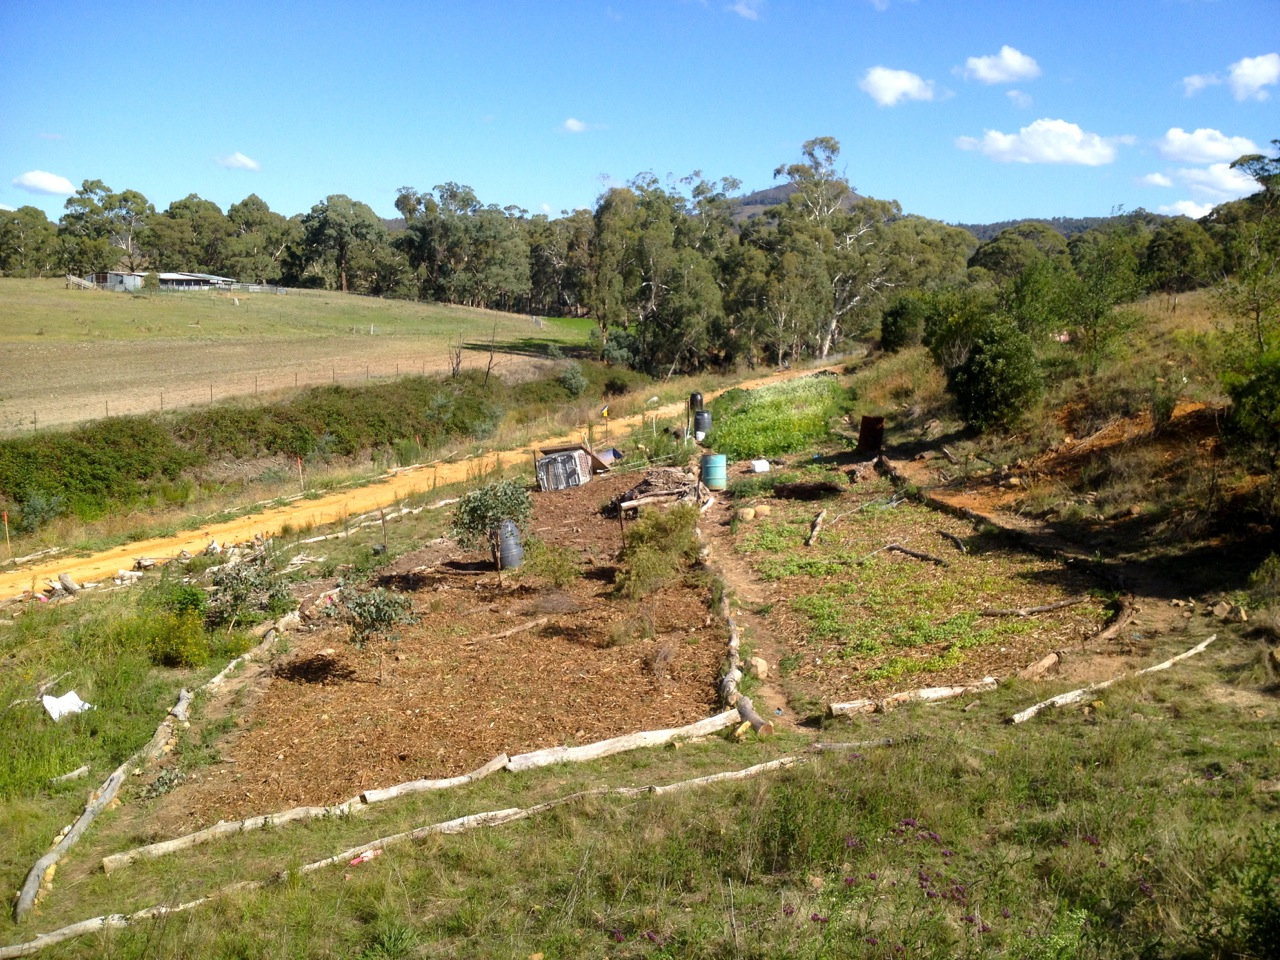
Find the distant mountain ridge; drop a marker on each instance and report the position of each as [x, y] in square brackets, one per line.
[1067, 226]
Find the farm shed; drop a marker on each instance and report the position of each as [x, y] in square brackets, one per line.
[116, 281]
[559, 468]
[194, 281]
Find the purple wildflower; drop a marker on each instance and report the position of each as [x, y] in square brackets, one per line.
[789, 910]
[873, 941]
[818, 918]
[985, 928]
[1004, 912]
[873, 876]
[654, 938]
[909, 822]
[850, 881]
[948, 853]
[618, 935]
[1091, 840]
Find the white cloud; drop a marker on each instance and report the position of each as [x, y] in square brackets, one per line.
[883, 5]
[1187, 208]
[1203, 146]
[39, 181]
[1019, 99]
[747, 9]
[1155, 180]
[1007, 66]
[51, 136]
[238, 161]
[1044, 141]
[1217, 182]
[5, 206]
[1198, 81]
[889, 87]
[1250, 75]
[573, 126]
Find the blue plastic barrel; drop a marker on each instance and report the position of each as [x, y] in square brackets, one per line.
[701, 424]
[510, 549]
[715, 471]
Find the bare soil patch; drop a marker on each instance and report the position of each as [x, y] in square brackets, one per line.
[451, 694]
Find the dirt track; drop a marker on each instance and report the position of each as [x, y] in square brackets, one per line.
[325, 510]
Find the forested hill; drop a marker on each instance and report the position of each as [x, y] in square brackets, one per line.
[1067, 226]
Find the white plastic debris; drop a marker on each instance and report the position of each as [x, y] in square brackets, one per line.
[59, 707]
[760, 466]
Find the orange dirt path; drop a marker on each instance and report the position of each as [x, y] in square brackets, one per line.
[315, 513]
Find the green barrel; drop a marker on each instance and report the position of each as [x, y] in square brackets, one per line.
[714, 471]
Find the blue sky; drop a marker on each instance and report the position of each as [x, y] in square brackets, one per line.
[962, 111]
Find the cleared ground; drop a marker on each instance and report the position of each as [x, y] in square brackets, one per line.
[78, 355]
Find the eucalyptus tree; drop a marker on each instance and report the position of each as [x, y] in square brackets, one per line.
[337, 231]
[191, 235]
[1181, 256]
[28, 243]
[103, 228]
[559, 260]
[259, 240]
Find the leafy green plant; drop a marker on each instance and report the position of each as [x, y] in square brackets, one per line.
[572, 379]
[776, 420]
[178, 640]
[998, 380]
[376, 611]
[552, 562]
[247, 593]
[902, 324]
[478, 515]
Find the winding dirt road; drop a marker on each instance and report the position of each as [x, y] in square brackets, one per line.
[332, 508]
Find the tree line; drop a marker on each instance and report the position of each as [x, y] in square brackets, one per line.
[672, 275]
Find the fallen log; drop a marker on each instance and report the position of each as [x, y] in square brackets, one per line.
[926, 695]
[857, 744]
[98, 802]
[1075, 696]
[68, 584]
[75, 774]
[959, 544]
[421, 786]
[606, 748]
[816, 528]
[1038, 669]
[1028, 611]
[747, 710]
[1122, 618]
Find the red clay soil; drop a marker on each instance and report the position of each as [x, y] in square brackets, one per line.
[452, 695]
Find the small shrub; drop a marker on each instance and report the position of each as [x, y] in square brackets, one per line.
[374, 613]
[479, 513]
[656, 548]
[178, 640]
[573, 380]
[553, 563]
[998, 380]
[247, 593]
[902, 324]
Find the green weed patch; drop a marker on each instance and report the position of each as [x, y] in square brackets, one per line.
[777, 419]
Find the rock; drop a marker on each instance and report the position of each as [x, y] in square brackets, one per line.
[1238, 614]
[758, 667]
[1221, 609]
[764, 510]
[746, 513]
[1177, 603]
[289, 621]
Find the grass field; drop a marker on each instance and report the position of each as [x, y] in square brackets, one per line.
[88, 354]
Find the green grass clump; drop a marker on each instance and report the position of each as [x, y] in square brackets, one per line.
[554, 563]
[775, 420]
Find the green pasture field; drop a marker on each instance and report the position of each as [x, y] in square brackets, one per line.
[32, 310]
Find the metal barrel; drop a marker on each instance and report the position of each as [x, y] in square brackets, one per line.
[695, 401]
[510, 549]
[715, 471]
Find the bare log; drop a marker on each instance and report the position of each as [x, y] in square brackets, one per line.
[1122, 618]
[1028, 611]
[103, 796]
[857, 744]
[959, 544]
[68, 584]
[1038, 669]
[747, 710]
[422, 786]
[926, 695]
[918, 554]
[1075, 696]
[606, 748]
[75, 774]
[816, 528]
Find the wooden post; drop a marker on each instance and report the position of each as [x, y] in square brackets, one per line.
[8, 545]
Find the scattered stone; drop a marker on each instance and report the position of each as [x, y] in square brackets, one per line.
[763, 510]
[1221, 609]
[1238, 614]
[758, 667]
[746, 513]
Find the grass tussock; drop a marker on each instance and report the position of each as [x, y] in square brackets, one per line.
[656, 549]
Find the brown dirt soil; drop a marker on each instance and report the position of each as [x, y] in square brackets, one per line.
[452, 695]
[303, 514]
